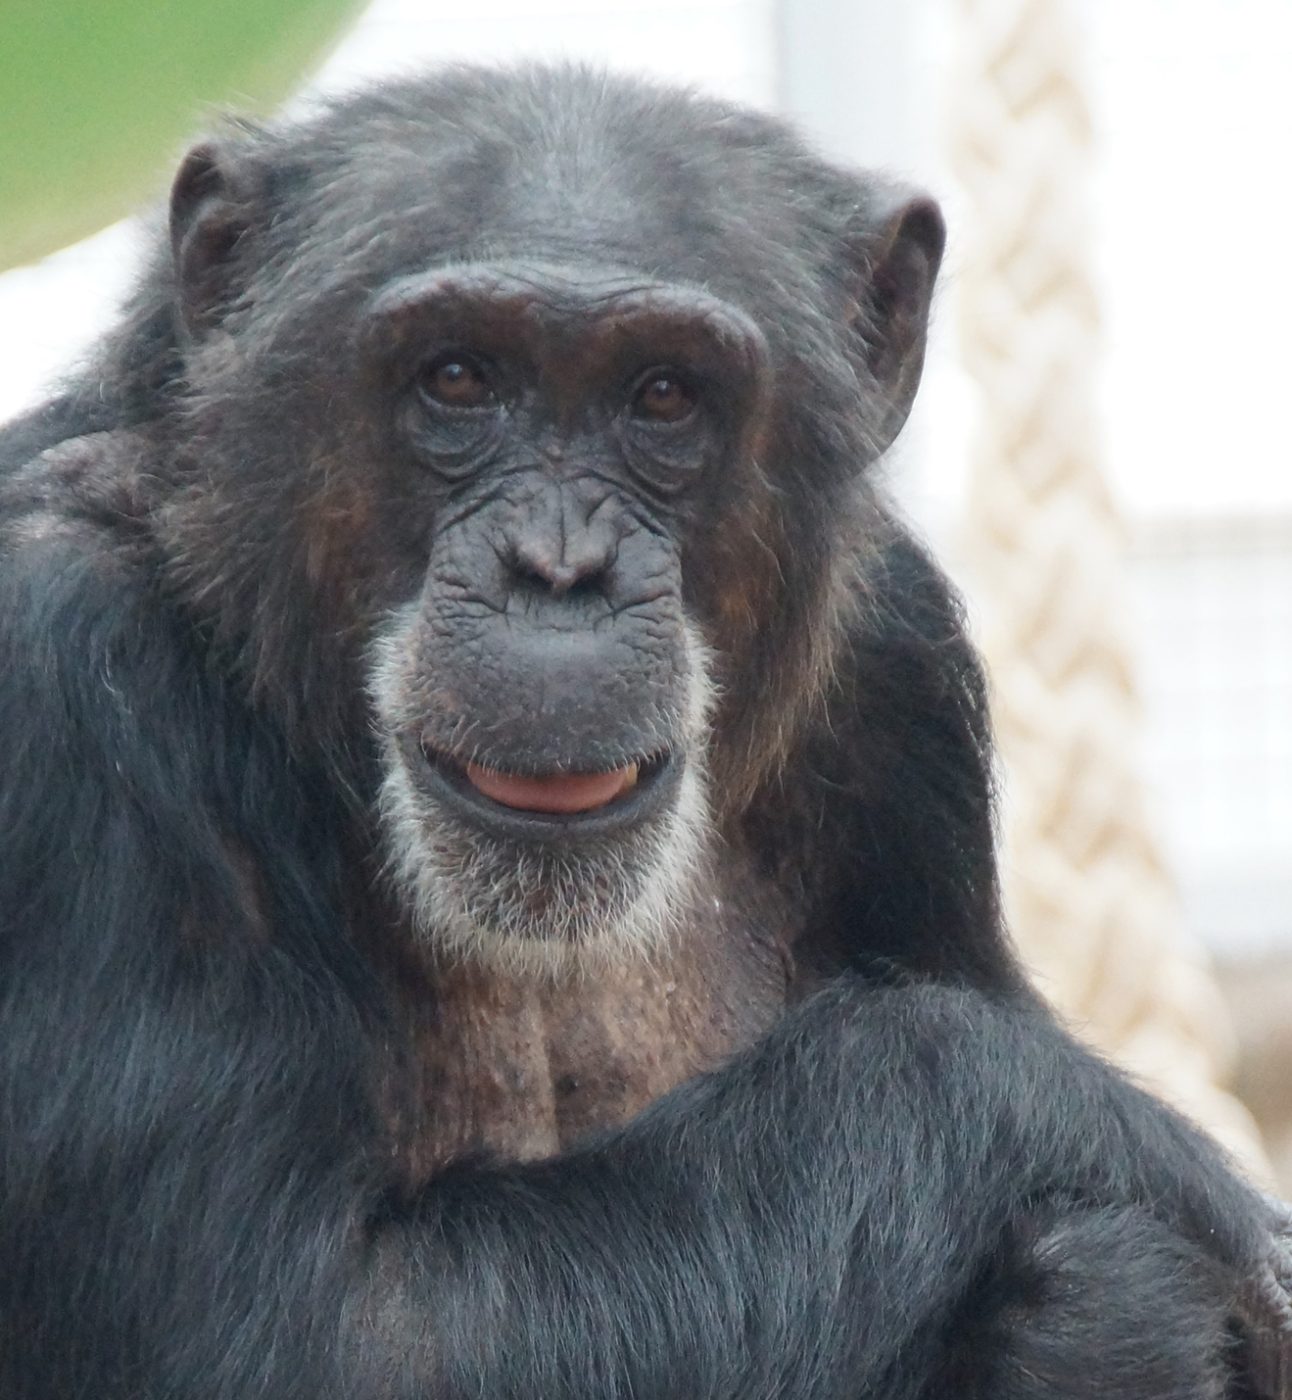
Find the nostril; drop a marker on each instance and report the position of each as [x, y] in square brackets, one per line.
[529, 574]
[568, 580]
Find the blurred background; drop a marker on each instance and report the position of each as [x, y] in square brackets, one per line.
[1100, 452]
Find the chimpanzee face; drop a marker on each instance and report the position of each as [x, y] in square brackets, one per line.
[546, 696]
[539, 441]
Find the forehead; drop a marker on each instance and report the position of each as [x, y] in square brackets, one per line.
[663, 195]
[472, 202]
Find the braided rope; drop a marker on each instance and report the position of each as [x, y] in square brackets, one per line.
[1091, 904]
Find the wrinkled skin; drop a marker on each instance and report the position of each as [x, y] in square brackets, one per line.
[497, 889]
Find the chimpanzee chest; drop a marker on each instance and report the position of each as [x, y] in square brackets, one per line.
[523, 1066]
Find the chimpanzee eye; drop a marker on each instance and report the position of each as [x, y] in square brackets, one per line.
[456, 381]
[663, 396]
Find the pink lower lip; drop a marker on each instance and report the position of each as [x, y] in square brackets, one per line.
[558, 793]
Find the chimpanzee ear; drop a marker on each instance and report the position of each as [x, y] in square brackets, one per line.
[897, 242]
[216, 197]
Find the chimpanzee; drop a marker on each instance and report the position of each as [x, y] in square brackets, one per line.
[497, 894]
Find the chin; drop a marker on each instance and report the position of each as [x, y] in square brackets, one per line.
[543, 893]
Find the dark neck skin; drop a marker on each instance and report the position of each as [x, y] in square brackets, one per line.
[524, 1065]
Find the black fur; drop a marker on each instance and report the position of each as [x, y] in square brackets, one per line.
[915, 1186]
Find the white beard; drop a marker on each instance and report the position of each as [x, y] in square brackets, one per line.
[523, 909]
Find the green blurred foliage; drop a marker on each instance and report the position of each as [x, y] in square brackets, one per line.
[97, 98]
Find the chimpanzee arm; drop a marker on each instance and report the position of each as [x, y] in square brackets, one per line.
[894, 790]
[794, 1225]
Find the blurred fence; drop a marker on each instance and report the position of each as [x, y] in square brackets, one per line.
[1212, 618]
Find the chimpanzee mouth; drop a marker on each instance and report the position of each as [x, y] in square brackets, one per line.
[546, 805]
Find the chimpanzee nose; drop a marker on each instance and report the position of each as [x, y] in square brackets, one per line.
[560, 555]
